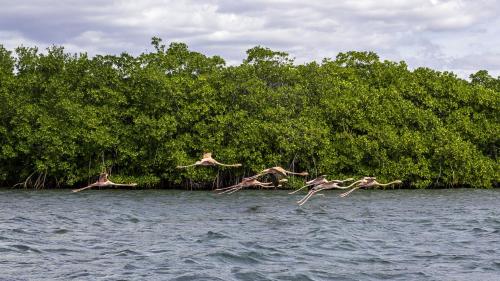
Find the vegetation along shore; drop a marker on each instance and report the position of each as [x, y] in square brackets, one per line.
[66, 117]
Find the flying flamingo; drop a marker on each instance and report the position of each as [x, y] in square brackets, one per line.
[246, 182]
[103, 181]
[367, 182]
[324, 186]
[277, 173]
[207, 160]
[319, 180]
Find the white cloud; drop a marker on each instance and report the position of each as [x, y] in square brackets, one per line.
[13, 39]
[434, 33]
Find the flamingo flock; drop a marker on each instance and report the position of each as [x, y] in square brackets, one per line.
[278, 177]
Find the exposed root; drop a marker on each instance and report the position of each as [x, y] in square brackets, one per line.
[26, 182]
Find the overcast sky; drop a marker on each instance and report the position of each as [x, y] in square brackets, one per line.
[461, 36]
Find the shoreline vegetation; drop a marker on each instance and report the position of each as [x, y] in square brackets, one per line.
[64, 118]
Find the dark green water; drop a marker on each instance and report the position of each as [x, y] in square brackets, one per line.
[249, 235]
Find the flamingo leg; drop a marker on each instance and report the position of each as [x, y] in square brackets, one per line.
[83, 188]
[311, 194]
[350, 191]
[226, 188]
[235, 189]
[293, 192]
[229, 189]
[305, 198]
[225, 191]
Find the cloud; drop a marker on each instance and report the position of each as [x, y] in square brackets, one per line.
[13, 39]
[441, 34]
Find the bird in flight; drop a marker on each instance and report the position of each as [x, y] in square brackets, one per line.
[246, 182]
[277, 173]
[367, 182]
[207, 160]
[319, 180]
[103, 181]
[335, 184]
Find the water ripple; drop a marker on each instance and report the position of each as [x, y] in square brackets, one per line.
[25, 248]
[254, 235]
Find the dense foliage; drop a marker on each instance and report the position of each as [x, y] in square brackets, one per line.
[65, 116]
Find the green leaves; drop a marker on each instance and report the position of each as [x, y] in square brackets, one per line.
[69, 116]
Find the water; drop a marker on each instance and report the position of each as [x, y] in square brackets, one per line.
[249, 235]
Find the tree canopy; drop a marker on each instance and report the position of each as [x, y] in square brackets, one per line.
[63, 117]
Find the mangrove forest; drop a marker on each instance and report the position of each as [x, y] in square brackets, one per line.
[65, 117]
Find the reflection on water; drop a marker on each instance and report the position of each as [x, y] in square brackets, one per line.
[249, 235]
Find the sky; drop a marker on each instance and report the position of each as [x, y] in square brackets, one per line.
[453, 35]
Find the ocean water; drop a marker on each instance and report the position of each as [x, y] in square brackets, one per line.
[449, 234]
